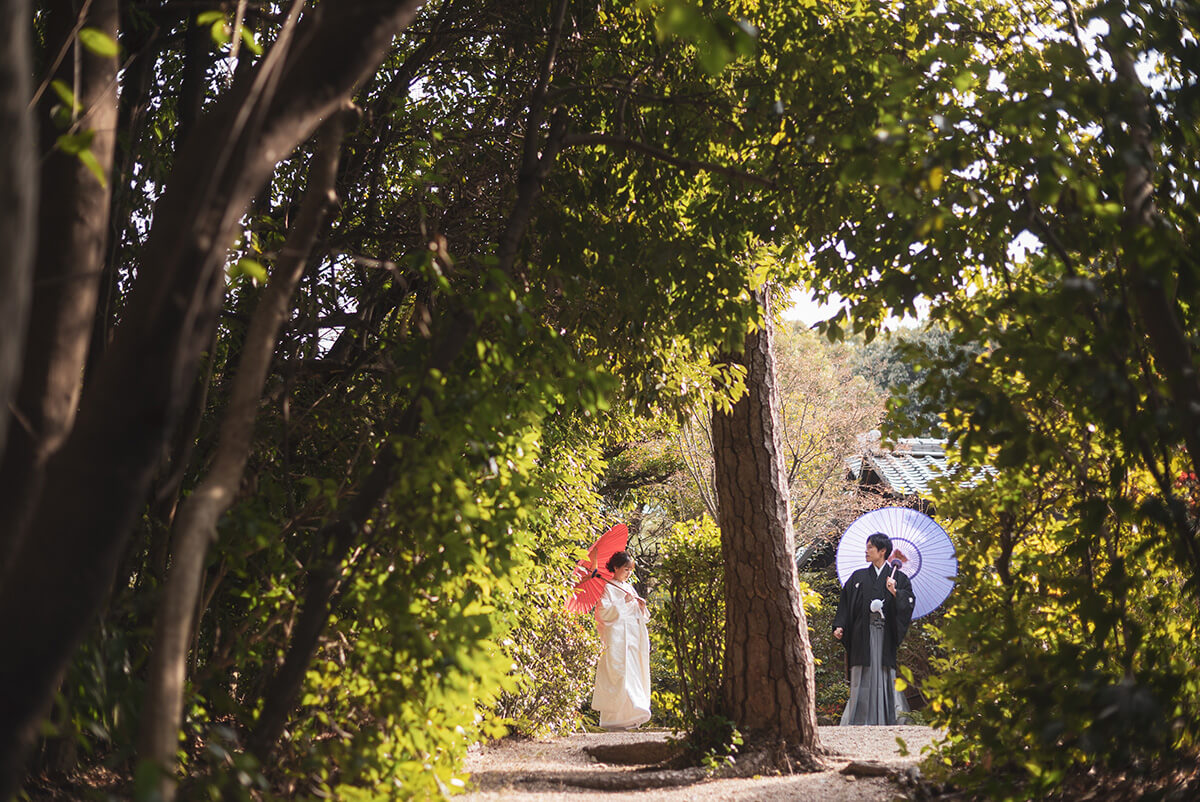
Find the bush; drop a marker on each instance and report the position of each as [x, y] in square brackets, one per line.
[1074, 644]
[554, 657]
[687, 630]
[832, 690]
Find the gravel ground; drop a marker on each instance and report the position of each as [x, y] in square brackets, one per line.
[547, 769]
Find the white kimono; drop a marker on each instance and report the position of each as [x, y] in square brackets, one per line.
[622, 692]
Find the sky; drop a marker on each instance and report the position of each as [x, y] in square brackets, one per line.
[809, 312]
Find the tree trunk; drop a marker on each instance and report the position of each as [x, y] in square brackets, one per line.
[72, 228]
[18, 196]
[768, 683]
[197, 56]
[197, 522]
[137, 47]
[96, 484]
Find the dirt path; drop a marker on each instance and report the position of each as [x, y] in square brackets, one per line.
[560, 768]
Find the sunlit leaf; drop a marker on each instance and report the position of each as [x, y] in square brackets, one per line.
[99, 42]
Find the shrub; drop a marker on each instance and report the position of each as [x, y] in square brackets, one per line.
[832, 689]
[688, 631]
[1074, 643]
[688, 627]
[554, 657]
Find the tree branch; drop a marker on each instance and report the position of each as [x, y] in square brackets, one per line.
[458, 329]
[197, 522]
[18, 195]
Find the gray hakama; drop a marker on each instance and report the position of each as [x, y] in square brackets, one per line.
[872, 640]
[873, 696]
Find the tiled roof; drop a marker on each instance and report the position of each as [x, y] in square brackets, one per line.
[910, 468]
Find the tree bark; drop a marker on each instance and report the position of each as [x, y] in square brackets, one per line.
[197, 57]
[196, 525]
[72, 228]
[97, 482]
[768, 683]
[18, 196]
[138, 45]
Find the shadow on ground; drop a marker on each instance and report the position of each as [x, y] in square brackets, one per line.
[616, 767]
[868, 763]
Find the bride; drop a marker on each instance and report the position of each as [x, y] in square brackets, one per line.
[622, 691]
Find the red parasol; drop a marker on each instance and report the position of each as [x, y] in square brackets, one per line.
[589, 584]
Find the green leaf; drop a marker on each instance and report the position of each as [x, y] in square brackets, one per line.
[249, 41]
[714, 56]
[61, 117]
[936, 175]
[249, 267]
[221, 31]
[75, 144]
[92, 163]
[66, 94]
[718, 38]
[99, 42]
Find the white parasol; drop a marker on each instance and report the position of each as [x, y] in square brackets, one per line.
[922, 548]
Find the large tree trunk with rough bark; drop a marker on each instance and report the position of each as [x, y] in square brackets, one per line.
[97, 482]
[18, 196]
[768, 685]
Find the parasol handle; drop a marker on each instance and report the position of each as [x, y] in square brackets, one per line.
[597, 574]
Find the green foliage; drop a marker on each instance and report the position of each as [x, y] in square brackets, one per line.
[228, 773]
[832, 688]
[98, 42]
[553, 653]
[888, 151]
[718, 37]
[97, 704]
[688, 626]
[249, 268]
[687, 632]
[900, 366]
[826, 407]
[713, 742]
[1081, 627]
[392, 700]
[1006, 163]
[554, 657]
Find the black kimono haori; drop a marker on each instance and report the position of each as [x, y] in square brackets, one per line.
[854, 614]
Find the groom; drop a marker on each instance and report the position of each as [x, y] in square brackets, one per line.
[873, 614]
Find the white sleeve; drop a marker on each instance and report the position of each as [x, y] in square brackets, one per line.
[611, 605]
